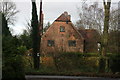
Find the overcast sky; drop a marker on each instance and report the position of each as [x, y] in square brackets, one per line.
[51, 10]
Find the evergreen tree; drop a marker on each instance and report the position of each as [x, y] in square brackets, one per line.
[35, 36]
[26, 40]
[12, 64]
[5, 29]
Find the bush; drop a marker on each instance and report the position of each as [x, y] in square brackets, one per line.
[102, 64]
[13, 69]
[76, 62]
[115, 63]
[12, 63]
[22, 50]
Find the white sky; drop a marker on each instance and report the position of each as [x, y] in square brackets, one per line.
[51, 9]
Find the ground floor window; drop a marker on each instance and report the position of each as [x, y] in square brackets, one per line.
[72, 43]
[51, 43]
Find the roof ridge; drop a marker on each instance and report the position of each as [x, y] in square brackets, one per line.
[77, 31]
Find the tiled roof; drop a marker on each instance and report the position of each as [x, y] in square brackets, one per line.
[89, 34]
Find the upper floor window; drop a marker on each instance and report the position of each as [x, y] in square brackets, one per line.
[51, 43]
[72, 43]
[62, 29]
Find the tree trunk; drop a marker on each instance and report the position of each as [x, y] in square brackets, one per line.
[104, 44]
[106, 28]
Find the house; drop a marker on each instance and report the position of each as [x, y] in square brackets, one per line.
[91, 40]
[63, 36]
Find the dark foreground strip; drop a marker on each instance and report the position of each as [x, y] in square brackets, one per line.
[45, 77]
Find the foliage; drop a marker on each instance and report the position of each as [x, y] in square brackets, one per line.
[12, 65]
[70, 63]
[76, 62]
[26, 40]
[66, 63]
[22, 50]
[12, 61]
[42, 70]
[115, 63]
[28, 59]
[5, 29]
[35, 36]
[102, 64]
[79, 54]
[13, 69]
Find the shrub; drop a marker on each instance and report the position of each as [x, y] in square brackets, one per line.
[76, 62]
[22, 50]
[102, 64]
[13, 68]
[12, 65]
[115, 63]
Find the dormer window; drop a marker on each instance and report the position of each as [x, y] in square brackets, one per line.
[62, 29]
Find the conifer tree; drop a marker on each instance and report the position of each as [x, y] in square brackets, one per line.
[12, 64]
[35, 36]
[5, 28]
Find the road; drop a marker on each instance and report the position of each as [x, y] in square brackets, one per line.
[45, 77]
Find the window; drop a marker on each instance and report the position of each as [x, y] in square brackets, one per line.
[72, 43]
[62, 29]
[50, 43]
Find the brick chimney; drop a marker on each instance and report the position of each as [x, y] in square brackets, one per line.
[65, 13]
[68, 16]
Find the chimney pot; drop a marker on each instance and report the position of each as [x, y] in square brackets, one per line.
[66, 13]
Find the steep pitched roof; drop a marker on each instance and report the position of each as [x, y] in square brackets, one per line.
[90, 34]
[64, 17]
[77, 31]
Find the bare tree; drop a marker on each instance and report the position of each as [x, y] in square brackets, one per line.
[9, 10]
[28, 27]
[113, 24]
[91, 17]
[105, 36]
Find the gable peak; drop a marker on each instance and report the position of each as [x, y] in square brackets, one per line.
[64, 17]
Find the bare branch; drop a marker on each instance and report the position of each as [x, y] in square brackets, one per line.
[9, 10]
